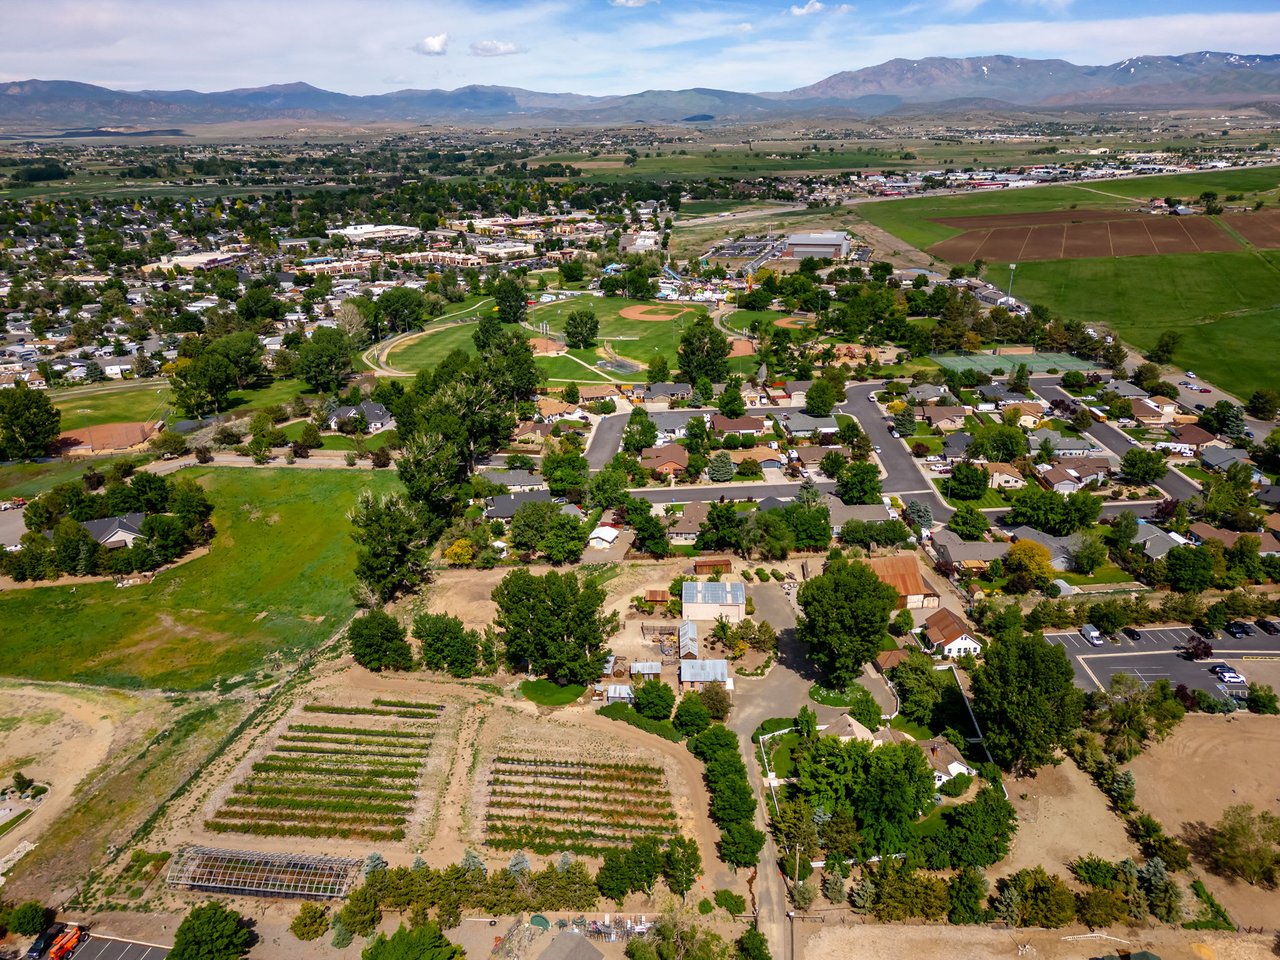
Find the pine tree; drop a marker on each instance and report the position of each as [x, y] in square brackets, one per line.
[519, 862]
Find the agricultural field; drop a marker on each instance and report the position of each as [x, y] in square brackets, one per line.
[275, 582]
[547, 804]
[349, 772]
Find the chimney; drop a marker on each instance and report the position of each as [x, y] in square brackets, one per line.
[934, 749]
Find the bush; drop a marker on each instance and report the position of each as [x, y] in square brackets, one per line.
[380, 458]
[706, 907]
[731, 902]
[625, 713]
[311, 922]
[692, 716]
[27, 919]
[211, 932]
[772, 725]
[378, 643]
[956, 786]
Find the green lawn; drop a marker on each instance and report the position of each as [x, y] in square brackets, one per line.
[428, 350]
[1197, 474]
[636, 340]
[337, 441]
[566, 369]
[1223, 304]
[1107, 573]
[144, 400]
[277, 580]
[548, 694]
[835, 698]
[780, 759]
[28, 479]
[991, 499]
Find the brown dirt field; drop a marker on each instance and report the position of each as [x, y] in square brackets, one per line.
[1038, 218]
[1262, 229]
[1131, 239]
[794, 323]
[921, 941]
[1208, 764]
[1064, 816]
[963, 248]
[653, 313]
[1046, 242]
[1087, 240]
[741, 347]
[1209, 236]
[1004, 244]
[1170, 235]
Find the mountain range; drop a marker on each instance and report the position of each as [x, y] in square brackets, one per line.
[936, 84]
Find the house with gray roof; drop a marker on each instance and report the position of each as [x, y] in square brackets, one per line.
[696, 674]
[1124, 388]
[1155, 542]
[504, 507]
[1218, 458]
[955, 446]
[926, 394]
[516, 481]
[1061, 445]
[116, 532]
[955, 555]
[1061, 549]
[802, 425]
[673, 426]
[376, 416]
[657, 392]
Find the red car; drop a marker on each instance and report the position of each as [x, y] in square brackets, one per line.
[1205, 390]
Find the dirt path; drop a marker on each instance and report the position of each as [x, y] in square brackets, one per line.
[888, 247]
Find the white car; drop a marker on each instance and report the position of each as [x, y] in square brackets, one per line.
[1190, 375]
[876, 448]
[1231, 679]
[896, 435]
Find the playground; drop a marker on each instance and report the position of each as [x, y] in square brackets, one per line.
[989, 363]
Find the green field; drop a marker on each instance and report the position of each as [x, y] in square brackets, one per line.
[277, 580]
[1225, 305]
[28, 479]
[428, 350]
[636, 340]
[140, 400]
[911, 219]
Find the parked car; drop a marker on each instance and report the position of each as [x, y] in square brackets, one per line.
[1132, 633]
[1231, 678]
[1207, 632]
[876, 448]
[896, 434]
[1204, 390]
[1268, 627]
[1239, 629]
[1190, 375]
[1200, 407]
[1092, 634]
[45, 941]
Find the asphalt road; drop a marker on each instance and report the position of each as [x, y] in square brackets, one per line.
[606, 440]
[685, 493]
[1153, 655]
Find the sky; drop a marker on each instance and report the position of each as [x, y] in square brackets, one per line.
[584, 46]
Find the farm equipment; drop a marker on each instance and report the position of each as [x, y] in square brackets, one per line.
[66, 944]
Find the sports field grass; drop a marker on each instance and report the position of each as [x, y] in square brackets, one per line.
[1225, 305]
[138, 400]
[562, 370]
[429, 349]
[276, 581]
[911, 219]
[636, 340]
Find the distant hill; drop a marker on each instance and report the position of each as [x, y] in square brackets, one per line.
[936, 84]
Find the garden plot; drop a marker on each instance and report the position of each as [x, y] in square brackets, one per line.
[550, 804]
[337, 771]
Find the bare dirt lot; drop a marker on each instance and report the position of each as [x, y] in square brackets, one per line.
[936, 942]
[1069, 235]
[1208, 764]
[1262, 229]
[1063, 816]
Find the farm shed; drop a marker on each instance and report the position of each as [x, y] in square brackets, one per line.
[688, 641]
[902, 572]
[619, 693]
[708, 566]
[646, 670]
[709, 601]
[696, 674]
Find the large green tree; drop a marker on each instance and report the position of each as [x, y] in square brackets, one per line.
[581, 328]
[200, 386]
[555, 624]
[378, 642]
[325, 360]
[393, 536]
[845, 617]
[1026, 701]
[704, 352]
[420, 942]
[29, 423]
[211, 932]
[510, 297]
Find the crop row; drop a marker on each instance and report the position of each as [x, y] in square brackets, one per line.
[572, 812]
[578, 776]
[318, 804]
[304, 830]
[519, 791]
[541, 786]
[347, 773]
[371, 712]
[286, 789]
[324, 781]
[544, 840]
[347, 751]
[292, 816]
[409, 704]
[357, 731]
[581, 764]
[346, 762]
[586, 828]
[419, 744]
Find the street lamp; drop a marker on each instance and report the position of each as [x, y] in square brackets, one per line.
[1012, 268]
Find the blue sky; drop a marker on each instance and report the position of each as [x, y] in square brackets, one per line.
[584, 46]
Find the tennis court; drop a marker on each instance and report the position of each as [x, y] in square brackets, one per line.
[1036, 362]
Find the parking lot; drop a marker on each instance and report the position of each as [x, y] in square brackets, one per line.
[1152, 653]
[104, 948]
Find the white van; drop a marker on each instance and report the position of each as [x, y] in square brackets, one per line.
[1092, 634]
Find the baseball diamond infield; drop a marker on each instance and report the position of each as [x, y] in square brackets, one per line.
[654, 313]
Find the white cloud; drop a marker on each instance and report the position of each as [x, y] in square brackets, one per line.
[495, 48]
[433, 46]
[631, 3]
[744, 28]
[813, 6]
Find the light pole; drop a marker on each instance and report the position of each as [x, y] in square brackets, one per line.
[1012, 268]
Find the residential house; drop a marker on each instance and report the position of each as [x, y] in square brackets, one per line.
[1221, 459]
[1155, 410]
[1073, 474]
[696, 674]
[845, 728]
[702, 600]
[955, 446]
[516, 481]
[1269, 495]
[603, 537]
[673, 426]
[942, 418]
[902, 572]
[802, 425]
[999, 394]
[375, 415]
[928, 394]
[1268, 545]
[593, 393]
[1155, 542]
[1188, 439]
[886, 660]
[1061, 549]
[530, 433]
[797, 390]
[742, 426]
[660, 392]
[1125, 389]
[1004, 476]
[646, 670]
[810, 457]
[688, 640]
[1061, 445]
[764, 456]
[944, 760]
[552, 410]
[946, 634]
[667, 460]
[956, 556]
[116, 532]
[1029, 413]
[688, 524]
[504, 507]
[842, 513]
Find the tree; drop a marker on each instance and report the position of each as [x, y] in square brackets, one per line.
[311, 922]
[1189, 569]
[581, 328]
[1025, 700]
[27, 919]
[1032, 559]
[968, 481]
[659, 370]
[29, 423]
[919, 514]
[392, 537]
[704, 352]
[402, 308]
[1165, 346]
[1143, 467]
[753, 945]
[730, 402]
[681, 864]
[691, 716]
[998, 443]
[966, 896]
[201, 386]
[325, 360]
[859, 483]
[446, 644]
[1089, 555]
[1034, 898]
[918, 685]
[845, 616]
[968, 522]
[243, 350]
[378, 643]
[640, 432]
[565, 539]
[1225, 418]
[721, 468]
[211, 932]
[654, 699]
[420, 942]
[820, 399]
[1262, 699]
[1264, 404]
[1245, 845]
[509, 295]
[718, 703]
[554, 624]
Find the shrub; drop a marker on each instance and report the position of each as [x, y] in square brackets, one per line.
[956, 786]
[311, 922]
[27, 919]
[729, 901]
[625, 713]
[706, 907]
